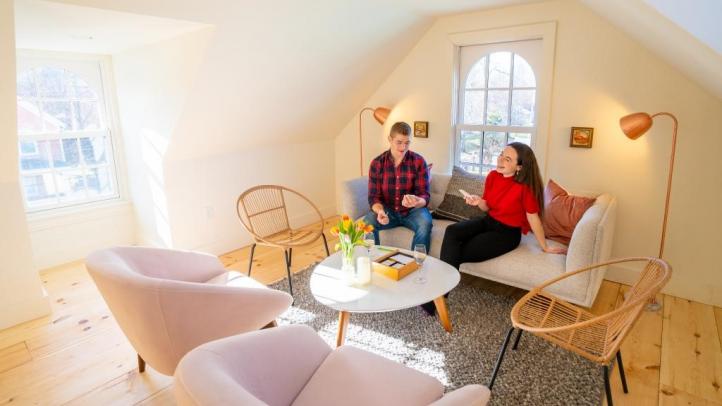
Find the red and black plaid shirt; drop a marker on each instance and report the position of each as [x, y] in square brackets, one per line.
[388, 184]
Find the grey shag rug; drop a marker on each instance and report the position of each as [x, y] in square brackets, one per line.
[537, 373]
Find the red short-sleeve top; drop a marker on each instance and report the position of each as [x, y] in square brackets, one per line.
[509, 201]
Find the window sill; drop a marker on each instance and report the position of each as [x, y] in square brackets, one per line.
[78, 214]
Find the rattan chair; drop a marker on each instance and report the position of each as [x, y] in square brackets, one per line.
[595, 337]
[263, 213]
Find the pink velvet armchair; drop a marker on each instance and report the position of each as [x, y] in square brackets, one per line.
[168, 302]
[292, 365]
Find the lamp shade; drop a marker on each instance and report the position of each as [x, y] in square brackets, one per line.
[381, 114]
[635, 125]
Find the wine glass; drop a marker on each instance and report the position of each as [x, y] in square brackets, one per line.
[419, 257]
[370, 241]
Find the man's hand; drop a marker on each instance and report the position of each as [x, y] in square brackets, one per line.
[382, 217]
[555, 250]
[409, 201]
[472, 200]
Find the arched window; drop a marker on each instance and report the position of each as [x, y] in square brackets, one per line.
[66, 153]
[497, 100]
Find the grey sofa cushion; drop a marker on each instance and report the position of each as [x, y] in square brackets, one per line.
[454, 207]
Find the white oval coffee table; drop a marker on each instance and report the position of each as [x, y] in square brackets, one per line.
[383, 294]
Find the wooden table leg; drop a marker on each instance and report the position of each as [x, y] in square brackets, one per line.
[440, 303]
[342, 324]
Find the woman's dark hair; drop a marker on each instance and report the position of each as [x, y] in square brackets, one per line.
[529, 173]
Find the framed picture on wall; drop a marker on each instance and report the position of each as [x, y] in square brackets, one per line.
[421, 129]
[581, 137]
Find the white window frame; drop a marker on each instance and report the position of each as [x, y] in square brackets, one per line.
[546, 32]
[110, 111]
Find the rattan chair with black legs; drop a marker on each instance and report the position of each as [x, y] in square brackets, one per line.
[597, 338]
[263, 212]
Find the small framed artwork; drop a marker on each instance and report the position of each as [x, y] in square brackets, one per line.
[581, 137]
[421, 129]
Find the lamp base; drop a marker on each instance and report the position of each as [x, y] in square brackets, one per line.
[651, 306]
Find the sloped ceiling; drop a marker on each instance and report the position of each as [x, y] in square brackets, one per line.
[287, 71]
[686, 34]
[290, 71]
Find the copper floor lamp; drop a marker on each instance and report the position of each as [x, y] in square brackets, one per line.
[634, 126]
[380, 114]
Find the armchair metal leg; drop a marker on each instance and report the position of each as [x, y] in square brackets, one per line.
[141, 364]
[325, 244]
[620, 365]
[607, 388]
[516, 341]
[501, 357]
[290, 256]
[287, 255]
[250, 260]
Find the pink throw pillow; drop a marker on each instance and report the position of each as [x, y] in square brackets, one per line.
[562, 212]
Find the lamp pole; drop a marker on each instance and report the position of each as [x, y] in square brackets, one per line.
[360, 141]
[669, 178]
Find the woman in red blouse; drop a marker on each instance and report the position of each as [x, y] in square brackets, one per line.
[513, 199]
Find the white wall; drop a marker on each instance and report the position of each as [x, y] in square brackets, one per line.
[153, 83]
[202, 193]
[600, 75]
[21, 294]
[189, 203]
[59, 239]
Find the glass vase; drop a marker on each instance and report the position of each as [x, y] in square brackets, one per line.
[348, 268]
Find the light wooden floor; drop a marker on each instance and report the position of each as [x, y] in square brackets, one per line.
[79, 356]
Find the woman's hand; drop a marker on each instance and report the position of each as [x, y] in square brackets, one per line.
[555, 250]
[472, 200]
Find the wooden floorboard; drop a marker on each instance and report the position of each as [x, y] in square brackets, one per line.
[79, 356]
[691, 354]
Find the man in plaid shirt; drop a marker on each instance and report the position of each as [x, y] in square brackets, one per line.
[399, 189]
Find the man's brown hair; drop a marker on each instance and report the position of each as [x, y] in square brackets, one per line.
[400, 128]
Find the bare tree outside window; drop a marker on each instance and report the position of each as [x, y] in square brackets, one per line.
[497, 106]
[65, 145]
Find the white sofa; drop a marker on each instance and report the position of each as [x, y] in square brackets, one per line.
[526, 266]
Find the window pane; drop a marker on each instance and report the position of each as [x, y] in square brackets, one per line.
[470, 147]
[51, 82]
[39, 189]
[71, 185]
[29, 118]
[477, 75]
[522, 107]
[524, 138]
[523, 74]
[86, 115]
[80, 88]
[38, 160]
[494, 143]
[57, 116]
[100, 182]
[94, 150]
[26, 85]
[474, 106]
[28, 148]
[499, 69]
[470, 168]
[498, 109]
[65, 153]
